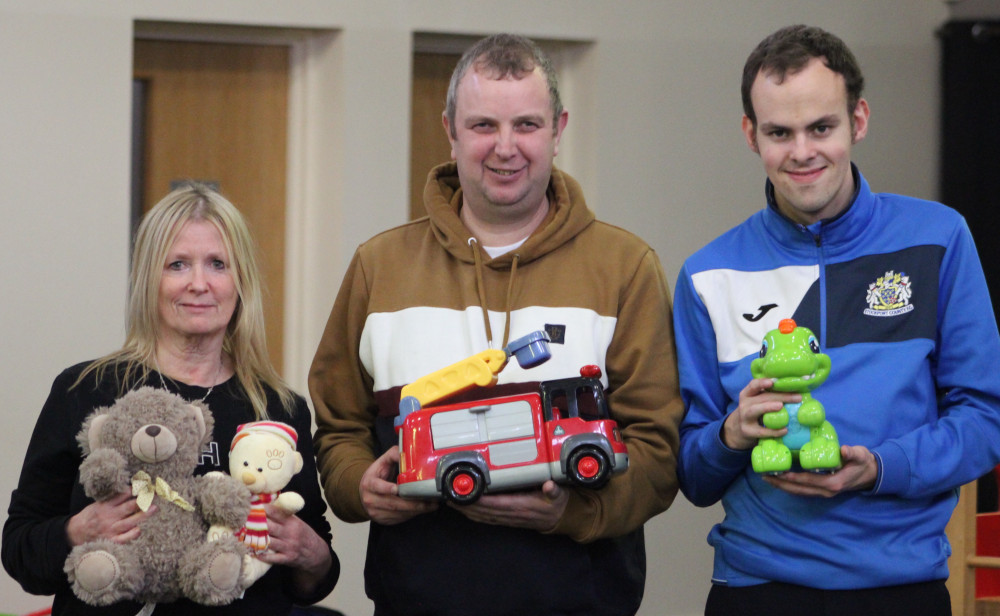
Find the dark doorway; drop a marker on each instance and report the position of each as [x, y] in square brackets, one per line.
[970, 163]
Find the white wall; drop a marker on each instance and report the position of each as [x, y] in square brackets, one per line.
[658, 150]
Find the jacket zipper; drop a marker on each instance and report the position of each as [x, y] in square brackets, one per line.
[821, 261]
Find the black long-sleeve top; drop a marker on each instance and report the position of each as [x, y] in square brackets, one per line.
[35, 546]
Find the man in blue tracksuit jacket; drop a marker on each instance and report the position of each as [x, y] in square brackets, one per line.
[913, 392]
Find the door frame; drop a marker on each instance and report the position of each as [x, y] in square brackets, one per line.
[311, 146]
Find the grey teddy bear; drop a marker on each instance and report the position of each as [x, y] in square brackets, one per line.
[149, 443]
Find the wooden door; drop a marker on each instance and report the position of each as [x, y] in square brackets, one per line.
[217, 112]
[429, 144]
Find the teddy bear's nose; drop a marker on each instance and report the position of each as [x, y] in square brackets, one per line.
[152, 430]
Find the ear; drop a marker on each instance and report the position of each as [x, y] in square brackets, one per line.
[199, 419]
[859, 120]
[447, 132]
[94, 434]
[298, 462]
[560, 127]
[750, 133]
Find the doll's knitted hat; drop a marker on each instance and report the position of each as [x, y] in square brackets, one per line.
[281, 430]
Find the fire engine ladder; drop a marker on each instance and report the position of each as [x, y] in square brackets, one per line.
[481, 369]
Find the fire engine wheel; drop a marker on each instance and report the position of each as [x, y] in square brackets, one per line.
[463, 484]
[588, 467]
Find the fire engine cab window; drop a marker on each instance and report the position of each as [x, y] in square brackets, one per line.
[506, 420]
[586, 404]
[586, 400]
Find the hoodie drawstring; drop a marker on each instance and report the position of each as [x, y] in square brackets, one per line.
[481, 290]
[510, 291]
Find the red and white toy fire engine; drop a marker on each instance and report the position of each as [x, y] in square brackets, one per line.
[460, 451]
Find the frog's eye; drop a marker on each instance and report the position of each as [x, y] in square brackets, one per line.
[763, 349]
[814, 344]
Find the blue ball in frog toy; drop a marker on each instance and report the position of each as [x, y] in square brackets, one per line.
[791, 357]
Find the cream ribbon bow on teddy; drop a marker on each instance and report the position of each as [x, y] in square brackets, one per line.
[144, 489]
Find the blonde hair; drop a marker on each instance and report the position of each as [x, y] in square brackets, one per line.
[244, 341]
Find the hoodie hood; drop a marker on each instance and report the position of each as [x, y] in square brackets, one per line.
[568, 216]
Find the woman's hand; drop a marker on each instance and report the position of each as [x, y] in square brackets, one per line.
[295, 544]
[117, 519]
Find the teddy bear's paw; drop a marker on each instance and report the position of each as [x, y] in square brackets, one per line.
[224, 571]
[211, 573]
[253, 570]
[290, 502]
[98, 577]
[97, 571]
[217, 531]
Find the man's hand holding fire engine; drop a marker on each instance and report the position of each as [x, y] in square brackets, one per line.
[380, 495]
[538, 509]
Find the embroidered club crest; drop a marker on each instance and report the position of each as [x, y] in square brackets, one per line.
[889, 296]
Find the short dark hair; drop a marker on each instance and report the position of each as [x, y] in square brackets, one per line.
[501, 56]
[789, 49]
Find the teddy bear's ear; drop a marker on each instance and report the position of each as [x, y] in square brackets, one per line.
[94, 433]
[298, 462]
[199, 417]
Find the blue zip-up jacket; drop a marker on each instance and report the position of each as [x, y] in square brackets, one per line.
[894, 290]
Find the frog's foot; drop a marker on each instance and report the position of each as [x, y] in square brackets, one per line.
[820, 455]
[771, 456]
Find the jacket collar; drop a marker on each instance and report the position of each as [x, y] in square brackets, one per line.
[846, 227]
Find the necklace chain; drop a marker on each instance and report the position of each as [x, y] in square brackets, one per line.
[163, 383]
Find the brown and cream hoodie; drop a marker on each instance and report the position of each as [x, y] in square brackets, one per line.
[424, 295]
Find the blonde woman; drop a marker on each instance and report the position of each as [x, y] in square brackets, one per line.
[195, 328]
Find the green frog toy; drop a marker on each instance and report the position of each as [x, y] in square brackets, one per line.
[791, 356]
